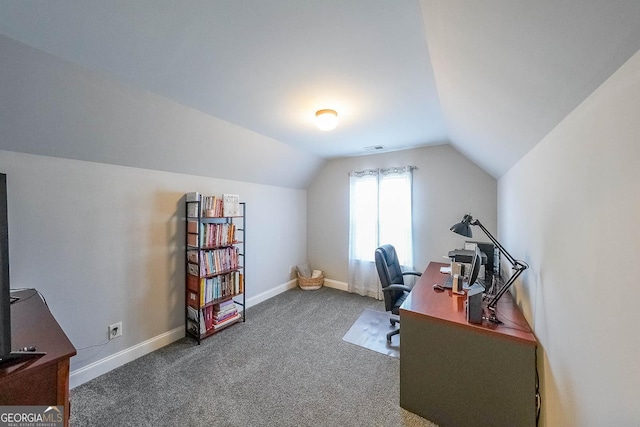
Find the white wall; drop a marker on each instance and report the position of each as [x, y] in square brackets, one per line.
[446, 185]
[571, 209]
[105, 244]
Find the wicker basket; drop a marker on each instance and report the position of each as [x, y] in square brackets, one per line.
[310, 283]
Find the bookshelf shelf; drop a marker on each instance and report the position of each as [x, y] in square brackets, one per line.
[217, 301]
[219, 273]
[210, 248]
[214, 270]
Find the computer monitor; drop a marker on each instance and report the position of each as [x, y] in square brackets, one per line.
[476, 262]
[487, 251]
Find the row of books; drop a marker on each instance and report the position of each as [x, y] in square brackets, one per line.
[217, 234]
[210, 235]
[213, 261]
[203, 320]
[213, 206]
[205, 290]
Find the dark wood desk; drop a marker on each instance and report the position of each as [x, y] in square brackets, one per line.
[459, 374]
[45, 380]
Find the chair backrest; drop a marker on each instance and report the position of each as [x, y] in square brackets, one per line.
[389, 272]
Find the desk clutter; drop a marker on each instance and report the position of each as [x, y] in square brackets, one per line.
[470, 274]
[463, 228]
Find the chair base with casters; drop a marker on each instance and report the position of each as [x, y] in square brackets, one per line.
[392, 333]
[392, 281]
[395, 309]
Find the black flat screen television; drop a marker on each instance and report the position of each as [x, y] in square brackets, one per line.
[5, 293]
[6, 355]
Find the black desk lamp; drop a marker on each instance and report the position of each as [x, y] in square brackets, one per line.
[463, 228]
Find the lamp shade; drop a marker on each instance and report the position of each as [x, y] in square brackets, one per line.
[326, 119]
[462, 228]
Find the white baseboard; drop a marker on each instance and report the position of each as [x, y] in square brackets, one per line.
[257, 299]
[102, 366]
[336, 285]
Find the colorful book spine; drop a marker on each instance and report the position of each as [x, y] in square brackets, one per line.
[226, 322]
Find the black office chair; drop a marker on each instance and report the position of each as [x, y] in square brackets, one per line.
[392, 280]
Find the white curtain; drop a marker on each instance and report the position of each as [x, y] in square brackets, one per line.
[380, 213]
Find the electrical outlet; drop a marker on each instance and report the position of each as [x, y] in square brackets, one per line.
[115, 330]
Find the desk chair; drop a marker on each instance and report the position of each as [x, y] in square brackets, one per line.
[392, 280]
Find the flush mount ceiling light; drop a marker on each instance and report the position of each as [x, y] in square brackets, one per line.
[326, 119]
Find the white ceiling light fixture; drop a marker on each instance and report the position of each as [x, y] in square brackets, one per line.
[326, 119]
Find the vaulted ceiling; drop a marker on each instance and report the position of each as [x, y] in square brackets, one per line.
[490, 77]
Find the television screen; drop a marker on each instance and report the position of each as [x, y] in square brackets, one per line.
[5, 297]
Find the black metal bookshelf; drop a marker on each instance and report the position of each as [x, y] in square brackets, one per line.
[227, 283]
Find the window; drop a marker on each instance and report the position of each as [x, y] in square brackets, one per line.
[380, 213]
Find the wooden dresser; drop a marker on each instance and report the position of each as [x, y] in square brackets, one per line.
[43, 380]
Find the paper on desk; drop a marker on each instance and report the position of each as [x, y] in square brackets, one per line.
[445, 270]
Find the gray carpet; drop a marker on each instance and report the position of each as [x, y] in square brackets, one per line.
[286, 366]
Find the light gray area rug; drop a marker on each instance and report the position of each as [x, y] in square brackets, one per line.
[370, 331]
[286, 366]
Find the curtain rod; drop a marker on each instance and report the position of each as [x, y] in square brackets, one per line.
[395, 169]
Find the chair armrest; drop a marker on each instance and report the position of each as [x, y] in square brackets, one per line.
[414, 273]
[396, 288]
